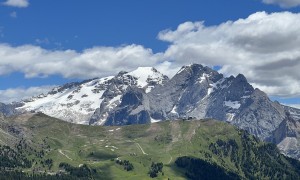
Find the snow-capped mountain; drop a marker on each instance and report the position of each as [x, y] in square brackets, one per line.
[146, 95]
[200, 92]
[80, 102]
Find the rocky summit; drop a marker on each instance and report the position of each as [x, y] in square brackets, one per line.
[195, 92]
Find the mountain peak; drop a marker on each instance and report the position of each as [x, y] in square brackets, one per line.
[190, 67]
[194, 72]
[148, 76]
[241, 78]
[142, 71]
[121, 73]
[197, 69]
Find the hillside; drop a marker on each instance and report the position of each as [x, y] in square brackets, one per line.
[182, 146]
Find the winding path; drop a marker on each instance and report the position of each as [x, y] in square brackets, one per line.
[141, 148]
[60, 151]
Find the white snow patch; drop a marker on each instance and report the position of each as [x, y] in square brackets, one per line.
[182, 69]
[76, 104]
[112, 130]
[114, 102]
[232, 104]
[203, 78]
[149, 88]
[144, 74]
[229, 117]
[101, 121]
[209, 91]
[103, 80]
[154, 120]
[211, 85]
[117, 98]
[174, 110]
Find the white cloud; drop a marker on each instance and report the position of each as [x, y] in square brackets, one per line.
[34, 61]
[168, 68]
[293, 105]
[283, 3]
[17, 3]
[264, 47]
[17, 94]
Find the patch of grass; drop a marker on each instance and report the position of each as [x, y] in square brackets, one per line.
[131, 132]
[101, 156]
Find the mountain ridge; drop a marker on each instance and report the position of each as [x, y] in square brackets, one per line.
[195, 91]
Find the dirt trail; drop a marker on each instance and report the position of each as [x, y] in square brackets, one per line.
[141, 148]
[175, 131]
[170, 159]
[60, 151]
[194, 125]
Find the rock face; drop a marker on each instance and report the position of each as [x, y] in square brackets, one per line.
[8, 109]
[133, 109]
[287, 135]
[145, 95]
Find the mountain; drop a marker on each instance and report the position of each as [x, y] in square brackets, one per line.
[195, 92]
[182, 149]
[90, 101]
[287, 135]
[200, 92]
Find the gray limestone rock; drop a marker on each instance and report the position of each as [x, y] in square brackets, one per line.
[134, 109]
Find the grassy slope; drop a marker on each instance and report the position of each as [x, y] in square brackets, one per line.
[161, 142]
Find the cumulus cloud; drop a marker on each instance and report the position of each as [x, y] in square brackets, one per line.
[283, 3]
[264, 47]
[35, 61]
[294, 105]
[17, 94]
[17, 3]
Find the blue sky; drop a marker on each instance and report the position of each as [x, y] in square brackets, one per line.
[68, 29]
[78, 25]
